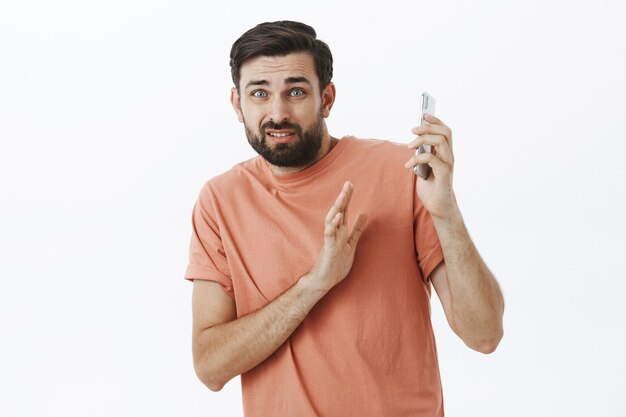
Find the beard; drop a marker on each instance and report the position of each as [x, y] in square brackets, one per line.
[301, 152]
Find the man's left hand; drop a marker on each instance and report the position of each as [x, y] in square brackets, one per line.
[435, 192]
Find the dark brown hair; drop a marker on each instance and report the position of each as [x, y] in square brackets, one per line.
[279, 39]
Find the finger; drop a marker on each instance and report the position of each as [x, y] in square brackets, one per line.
[427, 158]
[440, 168]
[433, 130]
[357, 229]
[347, 205]
[335, 208]
[441, 148]
[433, 120]
[331, 227]
[436, 127]
[340, 202]
[435, 140]
[411, 162]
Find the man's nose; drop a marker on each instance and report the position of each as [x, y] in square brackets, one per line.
[279, 109]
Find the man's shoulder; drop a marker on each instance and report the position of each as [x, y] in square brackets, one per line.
[234, 177]
[379, 148]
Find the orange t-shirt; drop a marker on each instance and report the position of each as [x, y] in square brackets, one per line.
[367, 348]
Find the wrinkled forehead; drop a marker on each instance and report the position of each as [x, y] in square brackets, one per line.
[279, 70]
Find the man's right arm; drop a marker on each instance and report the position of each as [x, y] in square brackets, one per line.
[225, 346]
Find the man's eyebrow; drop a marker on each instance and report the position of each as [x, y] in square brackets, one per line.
[294, 80]
[288, 80]
[257, 82]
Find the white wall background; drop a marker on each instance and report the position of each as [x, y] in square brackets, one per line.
[113, 114]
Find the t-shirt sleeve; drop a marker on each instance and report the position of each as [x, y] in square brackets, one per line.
[207, 258]
[427, 246]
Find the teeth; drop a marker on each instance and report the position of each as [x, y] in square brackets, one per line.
[279, 135]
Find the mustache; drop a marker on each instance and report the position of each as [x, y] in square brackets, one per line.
[280, 126]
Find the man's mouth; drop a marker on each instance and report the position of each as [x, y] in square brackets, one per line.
[281, 136]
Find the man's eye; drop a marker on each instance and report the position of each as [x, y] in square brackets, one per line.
[259, 93]
[296, 92]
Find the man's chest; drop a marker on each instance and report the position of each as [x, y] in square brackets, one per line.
[270, 247]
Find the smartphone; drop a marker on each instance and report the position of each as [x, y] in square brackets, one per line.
[427, 106]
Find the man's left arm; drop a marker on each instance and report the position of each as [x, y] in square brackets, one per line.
[469, 293]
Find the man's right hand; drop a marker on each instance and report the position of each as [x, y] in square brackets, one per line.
[225, 345]
[337, 254]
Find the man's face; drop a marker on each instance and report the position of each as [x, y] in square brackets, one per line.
[283, 112]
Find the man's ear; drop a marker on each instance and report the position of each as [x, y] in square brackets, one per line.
[235, 100]
[328, 99]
